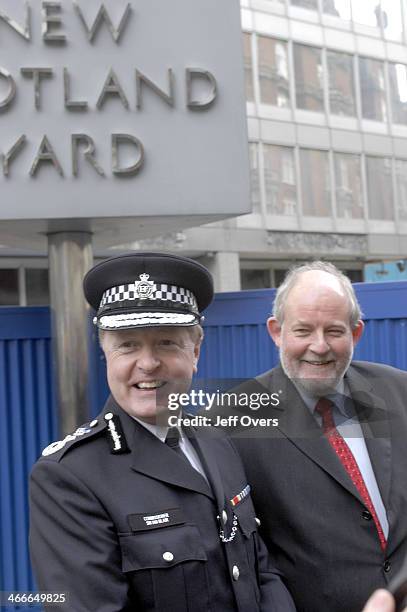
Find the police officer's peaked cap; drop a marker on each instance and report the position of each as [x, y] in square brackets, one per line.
[148, 290]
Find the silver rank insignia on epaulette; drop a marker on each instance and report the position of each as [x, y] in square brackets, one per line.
[56, 446]
[115, 434]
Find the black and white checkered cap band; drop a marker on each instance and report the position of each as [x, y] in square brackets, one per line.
[162, 292]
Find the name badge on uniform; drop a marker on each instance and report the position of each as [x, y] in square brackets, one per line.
[156, 520]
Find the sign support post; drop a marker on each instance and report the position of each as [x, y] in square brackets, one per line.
[70, 257]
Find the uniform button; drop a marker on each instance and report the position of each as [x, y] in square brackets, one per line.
[258, 521]
[224, 517]
[108, 416]
[235, 572]
[387, 566]
[168, 556]
[366, 515]
[93, 423]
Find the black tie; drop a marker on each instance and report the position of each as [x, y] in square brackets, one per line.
[172, 440]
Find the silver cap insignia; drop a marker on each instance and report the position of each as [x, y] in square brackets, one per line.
[144, 287]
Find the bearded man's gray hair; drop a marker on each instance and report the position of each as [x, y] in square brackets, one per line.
[293, 276]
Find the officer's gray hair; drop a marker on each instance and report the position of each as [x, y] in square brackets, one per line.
[293, 276]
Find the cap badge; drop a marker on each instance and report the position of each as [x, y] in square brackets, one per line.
[144, 287]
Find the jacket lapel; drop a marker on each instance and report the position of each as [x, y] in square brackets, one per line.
[299, 426]
[149, 456]
[157, 460]
[373, 417]
[206, 455]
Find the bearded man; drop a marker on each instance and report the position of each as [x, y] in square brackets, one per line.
[330, 482]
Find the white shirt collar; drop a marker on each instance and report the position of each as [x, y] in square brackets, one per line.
[160, 431]
[338, 397]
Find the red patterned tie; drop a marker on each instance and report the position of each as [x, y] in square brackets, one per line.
[345, 455]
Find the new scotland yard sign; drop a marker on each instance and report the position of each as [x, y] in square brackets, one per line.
[121, 109]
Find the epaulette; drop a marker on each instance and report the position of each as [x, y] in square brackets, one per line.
[84, 432]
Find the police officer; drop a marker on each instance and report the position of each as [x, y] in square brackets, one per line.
[128, 513]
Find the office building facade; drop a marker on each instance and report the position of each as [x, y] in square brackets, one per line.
[326, 91]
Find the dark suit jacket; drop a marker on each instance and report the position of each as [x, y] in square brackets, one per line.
[313, 520]
[94, 533]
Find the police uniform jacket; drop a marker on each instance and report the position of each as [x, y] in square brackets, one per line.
[139, 530]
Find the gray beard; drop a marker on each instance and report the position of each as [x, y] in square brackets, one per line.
[317, 387]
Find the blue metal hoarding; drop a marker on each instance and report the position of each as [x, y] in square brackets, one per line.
[236, 346]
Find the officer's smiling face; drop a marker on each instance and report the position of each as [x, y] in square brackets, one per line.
[145, 365]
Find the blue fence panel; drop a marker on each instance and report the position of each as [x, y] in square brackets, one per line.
[236, 346]
[384, 307]
[236, 343]
[28, 420]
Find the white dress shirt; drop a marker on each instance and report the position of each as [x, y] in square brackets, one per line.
[349, 427]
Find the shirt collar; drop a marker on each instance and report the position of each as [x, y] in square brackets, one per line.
[338, 397]
[160, 431]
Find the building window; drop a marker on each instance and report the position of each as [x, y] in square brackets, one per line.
[273, 72]
[24, 287]
[401, 182]
[341, 89]
[308, 78]
[379, 188]
[279, 276]
[280, 183]
[372, 89]
[248, 71]
[391, 19]
[367, 12]
[355, 276]
[337, 8]
[9, 287]
[254, 176]
[37, 290]
[308, 4]
[255, 279]
[315, 183]
[348, 186]
[398, 92]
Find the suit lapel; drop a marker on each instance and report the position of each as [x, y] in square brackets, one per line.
[373, 417]
[299, 426]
